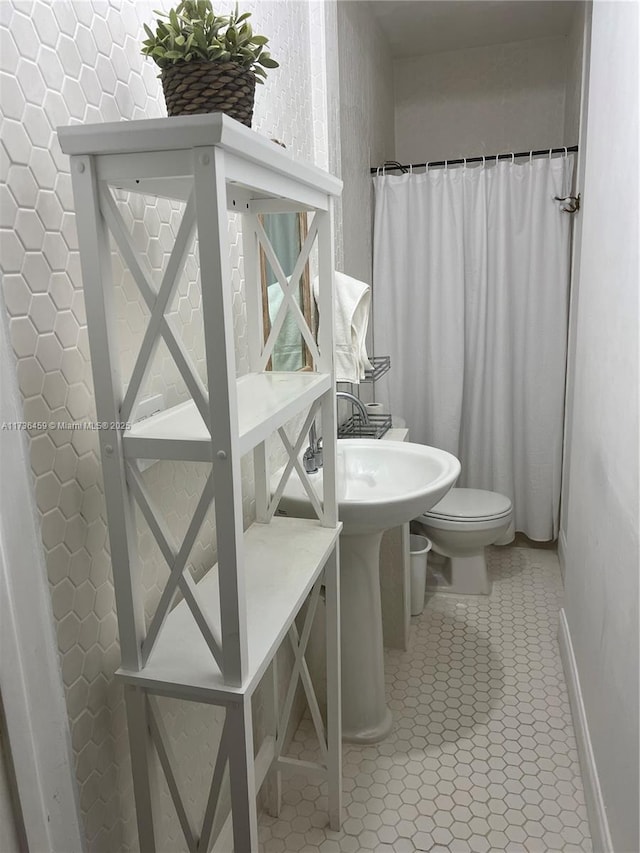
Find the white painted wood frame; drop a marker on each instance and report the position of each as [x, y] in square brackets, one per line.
[95, 261]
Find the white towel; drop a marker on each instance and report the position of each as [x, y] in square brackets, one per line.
[352, 304]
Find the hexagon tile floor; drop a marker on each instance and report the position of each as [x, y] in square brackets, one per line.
[482, 755]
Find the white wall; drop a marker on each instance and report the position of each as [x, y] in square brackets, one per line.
[574, 53]
[482, 100]
[601, 549]
[366, 127]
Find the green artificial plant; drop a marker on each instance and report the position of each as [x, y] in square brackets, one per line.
[192, 32]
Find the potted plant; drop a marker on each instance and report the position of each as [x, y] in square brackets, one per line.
[208, 62]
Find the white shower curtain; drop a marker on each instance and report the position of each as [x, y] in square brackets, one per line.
[470, 300]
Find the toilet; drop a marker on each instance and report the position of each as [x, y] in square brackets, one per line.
[460, 526]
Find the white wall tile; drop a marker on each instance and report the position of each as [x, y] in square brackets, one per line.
[47, 492]
[8, 207]
[8, 52]
[49, 209]
[50, 67]
[23, 336]
[30, 80]
[13, 101]
[30, 229]
[69, 55]
[12, 256]
[31, 377]
[42, 312]
[54, 389]
[56, 109]
[36, 124]
[23, 185]
[16, 142]
[55, 251]
[24, 35]
[43, 168]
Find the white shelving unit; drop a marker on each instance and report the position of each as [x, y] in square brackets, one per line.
[213, 642]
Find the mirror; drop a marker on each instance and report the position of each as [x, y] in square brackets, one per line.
[286, 232]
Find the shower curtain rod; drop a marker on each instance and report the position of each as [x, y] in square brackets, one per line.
[394, 165]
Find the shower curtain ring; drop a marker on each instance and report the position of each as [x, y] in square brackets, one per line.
[566, 152]
[513, 158]
[530, 157]
[550, 153]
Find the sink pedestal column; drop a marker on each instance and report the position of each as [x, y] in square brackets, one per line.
[365, 715]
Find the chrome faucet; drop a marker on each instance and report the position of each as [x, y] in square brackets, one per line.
[313, 454]
[356, 402]
[312, 458]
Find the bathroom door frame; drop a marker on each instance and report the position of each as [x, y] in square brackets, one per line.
[35, 712]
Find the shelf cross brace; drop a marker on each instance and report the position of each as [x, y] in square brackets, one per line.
[214, 792]
[176, 559]
[162, 744]
[288, 290]
[307, 684]
[159, 324]
[293, 452]
[301, 672]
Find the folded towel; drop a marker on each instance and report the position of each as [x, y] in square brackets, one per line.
[352, 303]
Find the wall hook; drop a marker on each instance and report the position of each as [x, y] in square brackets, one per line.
[573, 203]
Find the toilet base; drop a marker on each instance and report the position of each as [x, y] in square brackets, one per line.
[460, 575]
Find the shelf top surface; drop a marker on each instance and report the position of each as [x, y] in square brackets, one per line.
[281, 563]
[184, 132]
[264, 401]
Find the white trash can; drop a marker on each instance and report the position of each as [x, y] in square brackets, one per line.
[419, 549]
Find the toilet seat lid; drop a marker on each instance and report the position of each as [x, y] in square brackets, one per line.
[471, 504]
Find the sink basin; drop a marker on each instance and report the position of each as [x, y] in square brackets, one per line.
[381, 484]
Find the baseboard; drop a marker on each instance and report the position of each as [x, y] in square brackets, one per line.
[600, 836]
[562, 552]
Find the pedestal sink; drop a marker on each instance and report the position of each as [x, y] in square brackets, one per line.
[380, 485]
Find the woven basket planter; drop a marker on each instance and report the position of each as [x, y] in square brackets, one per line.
[191, 88]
